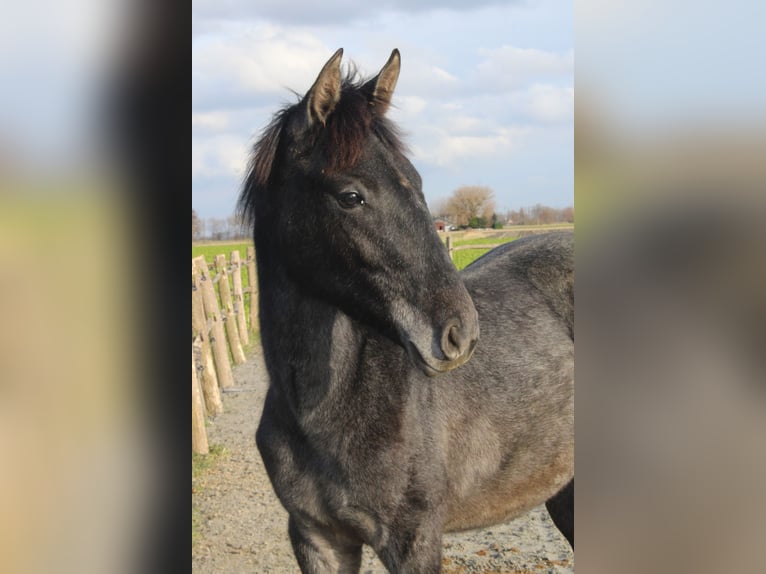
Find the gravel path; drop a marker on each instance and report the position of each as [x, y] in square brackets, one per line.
[243, 527]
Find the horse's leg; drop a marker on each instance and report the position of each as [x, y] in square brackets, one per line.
[561, 508]
[413, 552]
[318, 553]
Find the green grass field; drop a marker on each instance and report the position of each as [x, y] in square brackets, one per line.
[483, 241]
[465, 257]
[211, 250]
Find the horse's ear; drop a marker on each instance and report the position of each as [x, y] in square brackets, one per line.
[381, 87]
[324, 95]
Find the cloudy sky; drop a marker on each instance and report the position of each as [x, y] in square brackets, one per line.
[485, 95]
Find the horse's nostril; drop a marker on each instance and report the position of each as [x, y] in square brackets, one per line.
[454, 337]
[454, 341]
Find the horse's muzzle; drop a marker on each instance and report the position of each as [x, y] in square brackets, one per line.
[453, 348]
[437, 345]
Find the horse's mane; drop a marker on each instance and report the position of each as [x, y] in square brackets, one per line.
[346, 130]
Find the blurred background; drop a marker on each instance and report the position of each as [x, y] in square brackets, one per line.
[671, 284]
[88, 191]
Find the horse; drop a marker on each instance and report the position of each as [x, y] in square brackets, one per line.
[388, 419]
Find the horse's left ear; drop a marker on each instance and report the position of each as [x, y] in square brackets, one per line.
[381, 87]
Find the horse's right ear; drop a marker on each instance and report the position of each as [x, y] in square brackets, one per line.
[324, 95]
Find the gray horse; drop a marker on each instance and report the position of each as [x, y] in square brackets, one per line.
[389, 419]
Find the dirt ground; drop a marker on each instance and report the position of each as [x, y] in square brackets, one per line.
[243, 527]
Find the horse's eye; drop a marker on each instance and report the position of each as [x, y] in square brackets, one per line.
[350, 199]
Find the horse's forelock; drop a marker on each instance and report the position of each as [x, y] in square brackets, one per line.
[351, 123]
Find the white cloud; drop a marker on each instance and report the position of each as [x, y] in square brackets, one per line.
[424, 79]
[466, 123]
[411, 104]
[511, 67]
[546, 103]
[255, 60]
[210, 120]
[448, 148]
[219, 155]
[443, 74]
[328, 11]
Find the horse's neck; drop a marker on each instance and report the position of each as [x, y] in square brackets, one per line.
[334, 378]
[312, 349]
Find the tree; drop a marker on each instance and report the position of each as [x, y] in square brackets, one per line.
[237, 227]
[440, 208]
[547, 214]
[517, 217]
[471, 202]
[540, 214]
[196, 226]
[217, 228]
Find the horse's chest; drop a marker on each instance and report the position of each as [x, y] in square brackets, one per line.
[326, 475]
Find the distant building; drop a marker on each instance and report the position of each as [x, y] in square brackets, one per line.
[441, 225]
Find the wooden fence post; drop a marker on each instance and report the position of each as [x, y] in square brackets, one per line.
[199, 433]
[450, 249]
[229, 319]
[210, 391]
[252, 279]
[239, 300]
[212, 312]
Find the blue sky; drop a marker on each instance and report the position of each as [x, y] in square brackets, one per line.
[485, 95]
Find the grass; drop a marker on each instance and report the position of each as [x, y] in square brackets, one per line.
[201, 463]
[483, 240]
[210, 250]
[465, 257]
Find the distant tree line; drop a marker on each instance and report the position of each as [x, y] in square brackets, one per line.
[474, 206]
[540, 215]
[218, 228]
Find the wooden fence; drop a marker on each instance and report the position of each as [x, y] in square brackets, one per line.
[452, 248]
[220, 330]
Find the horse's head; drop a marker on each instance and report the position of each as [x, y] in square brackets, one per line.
[339, 209]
